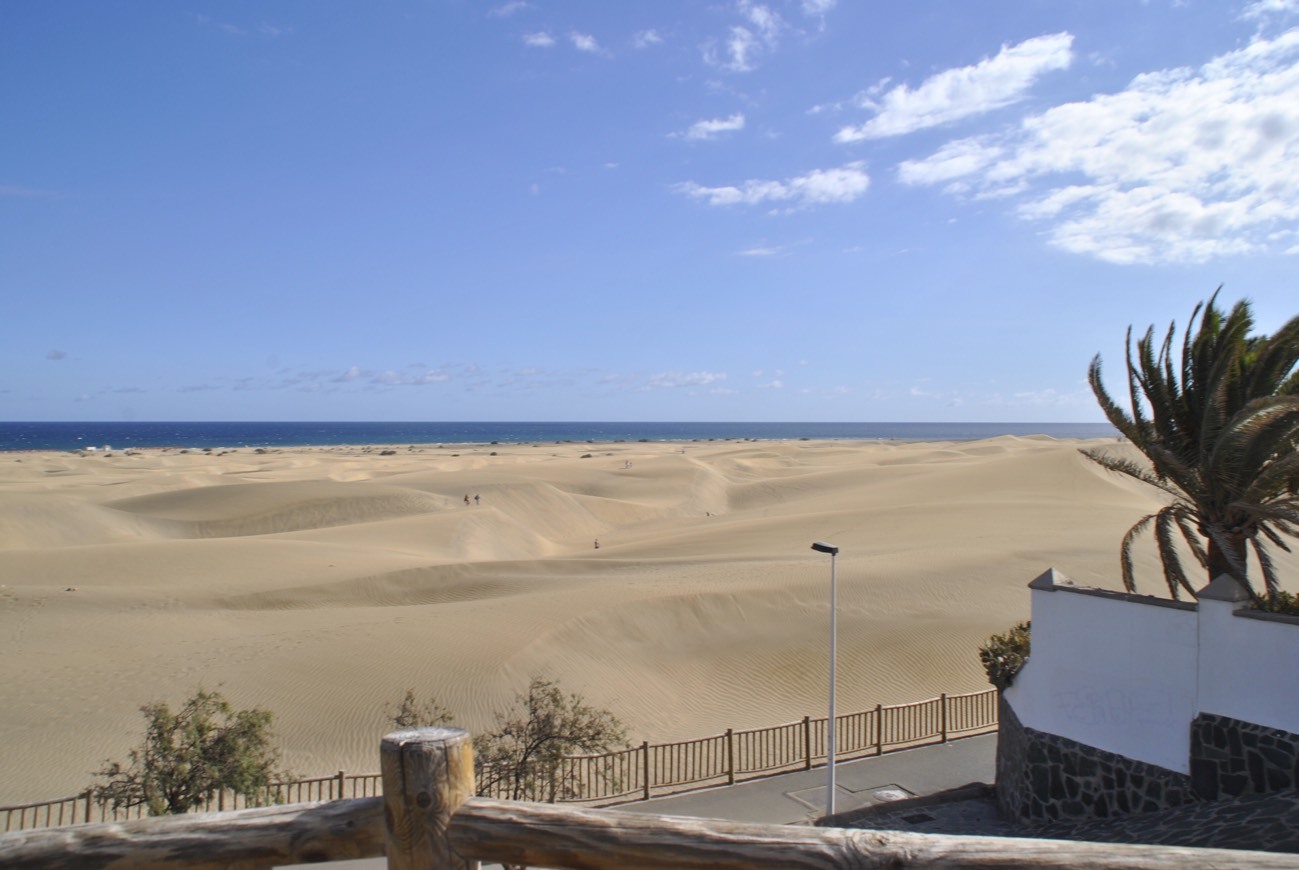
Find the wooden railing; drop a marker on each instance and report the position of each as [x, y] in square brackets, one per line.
[428, 819]
[87, 807]
[638, 773]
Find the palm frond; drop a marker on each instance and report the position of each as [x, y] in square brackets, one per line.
[1127, 467]
[1125, 552]
[1192, 539]
[1270, 580]
[1166, 527]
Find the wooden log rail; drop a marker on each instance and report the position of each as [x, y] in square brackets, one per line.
[427, 819]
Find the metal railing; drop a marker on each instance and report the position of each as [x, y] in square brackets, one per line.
[637, 773]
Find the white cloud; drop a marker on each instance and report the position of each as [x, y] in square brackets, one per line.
[960, 93]
[1261, 10]
[772, 385]
[818, 187]
[712, 128]
[1182, 166]
[540, 39]
[584, 42]
[762, 251]
[667, 380]
[397, 379]
[1051, 397]
[746, 42]
[505, 10]
[767, 23]
[954, 160]
[646, 38]
[818, 7]
[741, 47]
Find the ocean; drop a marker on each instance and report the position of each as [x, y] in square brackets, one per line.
[78, 436]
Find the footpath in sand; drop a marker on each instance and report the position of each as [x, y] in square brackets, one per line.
[321, 583]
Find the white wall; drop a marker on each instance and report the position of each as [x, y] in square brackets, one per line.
[1249, 668]
[1110, 671]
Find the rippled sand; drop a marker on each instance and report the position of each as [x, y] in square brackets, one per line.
[323, 582]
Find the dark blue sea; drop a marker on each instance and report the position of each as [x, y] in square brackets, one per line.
[77, 436]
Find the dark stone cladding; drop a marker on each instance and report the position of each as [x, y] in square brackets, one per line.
[1043, 777]
[1231, 758]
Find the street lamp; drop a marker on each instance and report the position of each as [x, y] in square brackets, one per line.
[823, 547]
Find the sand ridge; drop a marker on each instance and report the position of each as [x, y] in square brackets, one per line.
[323, 582]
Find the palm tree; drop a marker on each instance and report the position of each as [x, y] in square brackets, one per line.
[1221, 433]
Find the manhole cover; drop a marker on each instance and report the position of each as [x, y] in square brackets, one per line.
[892, 793]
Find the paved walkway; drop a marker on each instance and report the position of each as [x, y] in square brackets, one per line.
[799, 798]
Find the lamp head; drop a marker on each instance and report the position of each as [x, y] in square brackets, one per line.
[823, 547]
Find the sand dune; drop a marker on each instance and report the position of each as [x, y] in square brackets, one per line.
[322, 583]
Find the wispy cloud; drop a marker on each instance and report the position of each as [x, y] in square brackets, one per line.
[762, 251]
[672, 380]
[1182, 166]
[818, 187]
[1263, 10]
[584, 42]
[746, 42]
[712, 128]
[540, 39]
[963, 92]
[505, 10]
[646, 38]
[264, 29]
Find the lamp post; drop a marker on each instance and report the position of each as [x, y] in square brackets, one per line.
[823, 547]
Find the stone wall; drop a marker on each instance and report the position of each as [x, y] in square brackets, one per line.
[1043, 777]
[1231, 758]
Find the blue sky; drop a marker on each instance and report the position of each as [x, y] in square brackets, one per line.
[731, 210]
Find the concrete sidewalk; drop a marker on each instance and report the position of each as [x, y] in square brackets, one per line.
[799, 798]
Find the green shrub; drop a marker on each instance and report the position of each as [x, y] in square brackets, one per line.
[1282, 602]
[1004, 654]
[412, 713]
[204, 747]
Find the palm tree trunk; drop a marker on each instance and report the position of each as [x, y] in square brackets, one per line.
[1223, 560]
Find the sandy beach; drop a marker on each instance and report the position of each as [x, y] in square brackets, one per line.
[321, 583]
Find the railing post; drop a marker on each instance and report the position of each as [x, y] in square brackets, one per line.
[340, 786]
[427, 774]
[879, 729]
[89, 793]
[730, 757]
[942, 726]
[807, 742]
[645, 768]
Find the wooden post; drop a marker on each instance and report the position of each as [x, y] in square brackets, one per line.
[807, 742]
[427, 774]
[730, 757]
[340, 787]
[879, 729]
[645, 768]
[942, 727]
[89, 795]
